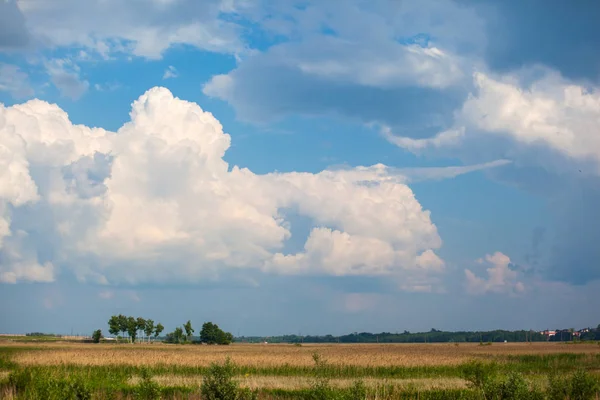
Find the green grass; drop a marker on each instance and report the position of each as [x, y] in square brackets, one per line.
[114, 382]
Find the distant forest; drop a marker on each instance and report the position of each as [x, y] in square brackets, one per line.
[433, 336]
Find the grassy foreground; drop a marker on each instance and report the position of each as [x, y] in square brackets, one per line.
[319, 372]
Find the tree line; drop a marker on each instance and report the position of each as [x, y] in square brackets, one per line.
[132, 326]
[123, 326]
[209, 334]
[433, 336]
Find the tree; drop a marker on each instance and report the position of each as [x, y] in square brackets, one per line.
[141, 324]
[123, 327]
[149, 328]
[132, 328]
[96, 336]
[178, 335]
[188, 330]
[208, 334]
[159, 328]
[227, 338]
[212, 334]
[113, 325]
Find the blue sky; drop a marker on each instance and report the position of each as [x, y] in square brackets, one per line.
[299, 166]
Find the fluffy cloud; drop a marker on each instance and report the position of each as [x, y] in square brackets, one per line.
[19, 262]
[545, 112]
[156, 202]
[501, 278]
[551, 111]
[547, 126]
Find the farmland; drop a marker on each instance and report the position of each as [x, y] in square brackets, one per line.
[298, 371]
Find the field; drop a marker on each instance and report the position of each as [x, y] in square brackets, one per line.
[386, 371]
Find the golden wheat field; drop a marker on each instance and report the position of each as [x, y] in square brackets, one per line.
[275, 355]
[255, 382]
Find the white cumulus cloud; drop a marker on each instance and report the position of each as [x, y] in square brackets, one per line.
[500, 277]
[156, 202]
[549, 112]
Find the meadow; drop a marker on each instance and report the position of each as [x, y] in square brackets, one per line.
[63, 370]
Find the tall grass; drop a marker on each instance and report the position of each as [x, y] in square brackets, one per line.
[549, 376]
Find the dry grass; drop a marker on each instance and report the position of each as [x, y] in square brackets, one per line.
[7, 393]
[303, 382]
[257, 355]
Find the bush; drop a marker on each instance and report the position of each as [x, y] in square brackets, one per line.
[218, 384]
[579, 386]
[357, 391]
[320, 388]
[514, 387]
[147, 389]
[478, 374]
[37, 386]
[582, 386]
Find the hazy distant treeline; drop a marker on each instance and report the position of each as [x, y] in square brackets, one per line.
[433, 336]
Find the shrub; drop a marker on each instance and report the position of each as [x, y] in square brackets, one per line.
[218, 384]
[578, 386]
[319, 387]
[37, 386]
[357, 391]
[478, 374]
[147, 389]
[582, 385]
[514, 387]
[557, 388]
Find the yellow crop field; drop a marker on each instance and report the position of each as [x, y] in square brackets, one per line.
[274, 355]
[278, 371]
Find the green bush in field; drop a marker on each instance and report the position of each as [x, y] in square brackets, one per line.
[579, 386]
[582, 386]
[478, 374]
[147, 389]
[219, 384]
[357, 391]
[513, 387]
[31, 386]
[483, 378]
[319, 387]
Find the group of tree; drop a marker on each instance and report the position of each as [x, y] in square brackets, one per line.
[210, 334]
[132, 326]
[43, 334]
[432, 336]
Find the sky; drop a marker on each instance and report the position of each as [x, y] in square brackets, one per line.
[300, 166]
